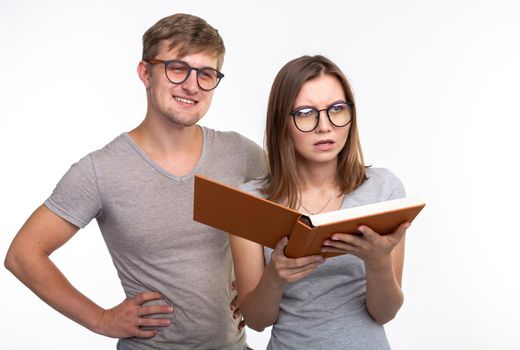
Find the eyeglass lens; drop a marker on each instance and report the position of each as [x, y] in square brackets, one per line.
[179, 71]
[307, 119]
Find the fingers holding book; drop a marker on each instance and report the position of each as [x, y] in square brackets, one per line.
[285, 270]
[370, 246]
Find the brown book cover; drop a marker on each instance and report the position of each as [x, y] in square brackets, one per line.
[264, 222]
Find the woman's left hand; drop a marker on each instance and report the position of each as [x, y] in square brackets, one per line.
[371, 247]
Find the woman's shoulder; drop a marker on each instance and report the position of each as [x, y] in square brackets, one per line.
[381, 175]
[381, 184]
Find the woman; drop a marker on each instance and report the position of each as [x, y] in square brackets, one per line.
[316, 165]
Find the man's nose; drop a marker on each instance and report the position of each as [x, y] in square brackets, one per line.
[190, 84]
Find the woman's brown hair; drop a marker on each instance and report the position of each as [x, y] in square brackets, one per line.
[281, 183]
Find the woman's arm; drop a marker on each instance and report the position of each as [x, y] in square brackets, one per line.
[260, 287]
[383, 257]
[384, 296]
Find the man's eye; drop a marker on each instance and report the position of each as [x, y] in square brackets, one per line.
[177, 68]
[208, 74]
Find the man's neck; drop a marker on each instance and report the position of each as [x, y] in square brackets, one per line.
[175, 148]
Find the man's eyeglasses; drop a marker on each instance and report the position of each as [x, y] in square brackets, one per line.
[307, 119]
[178, 72]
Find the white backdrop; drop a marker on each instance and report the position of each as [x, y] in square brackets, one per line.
[436, 86]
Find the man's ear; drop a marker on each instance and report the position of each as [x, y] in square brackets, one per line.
[143, 72]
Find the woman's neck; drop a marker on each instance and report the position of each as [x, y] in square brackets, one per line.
[318, 187]
[317, 176]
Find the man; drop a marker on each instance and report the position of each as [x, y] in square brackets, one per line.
[176, 273]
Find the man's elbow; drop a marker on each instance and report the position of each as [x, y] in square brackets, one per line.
[10, 262]
[15, 261]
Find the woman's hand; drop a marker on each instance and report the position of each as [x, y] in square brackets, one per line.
[285, 270]
[374, 249]
[383, 257]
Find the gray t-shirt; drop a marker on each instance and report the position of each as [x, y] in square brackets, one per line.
[146, 217]
[326, 310]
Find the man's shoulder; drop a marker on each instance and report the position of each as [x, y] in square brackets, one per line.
[230, 154]
[108, 150]
[222, 136]
[226, 137]
[113, 150]
[253, 187]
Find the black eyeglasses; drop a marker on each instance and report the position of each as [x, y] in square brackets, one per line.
[178, 72]
[307, 119]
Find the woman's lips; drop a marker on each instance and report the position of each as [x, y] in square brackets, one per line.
[324, 145]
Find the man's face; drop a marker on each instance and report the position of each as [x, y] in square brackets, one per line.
[183, 104]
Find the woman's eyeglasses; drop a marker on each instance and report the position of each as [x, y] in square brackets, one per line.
[307, 119]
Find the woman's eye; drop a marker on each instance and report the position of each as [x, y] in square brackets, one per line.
[337, 108]
[307, 112]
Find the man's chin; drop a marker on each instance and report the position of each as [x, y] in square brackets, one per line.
[183, 122]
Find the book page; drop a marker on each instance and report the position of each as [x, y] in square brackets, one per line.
[364, 210]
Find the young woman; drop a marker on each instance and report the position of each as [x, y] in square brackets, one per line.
[316, 165]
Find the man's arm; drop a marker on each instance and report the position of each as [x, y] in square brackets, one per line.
[28, 259]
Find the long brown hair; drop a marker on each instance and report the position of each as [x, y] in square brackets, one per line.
[281, 182]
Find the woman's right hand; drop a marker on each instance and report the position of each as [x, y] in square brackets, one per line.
[286, 270]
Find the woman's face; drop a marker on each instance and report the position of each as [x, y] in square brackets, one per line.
[323, 144]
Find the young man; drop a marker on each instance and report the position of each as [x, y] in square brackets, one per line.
[176, 273]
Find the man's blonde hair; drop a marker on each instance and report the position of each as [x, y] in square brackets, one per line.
[187, 34]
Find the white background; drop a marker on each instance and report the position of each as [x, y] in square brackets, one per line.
[436, 85]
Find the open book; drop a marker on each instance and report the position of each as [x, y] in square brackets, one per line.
[264, 222]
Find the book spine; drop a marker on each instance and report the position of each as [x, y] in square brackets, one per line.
[317, 242]
[300, 240]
